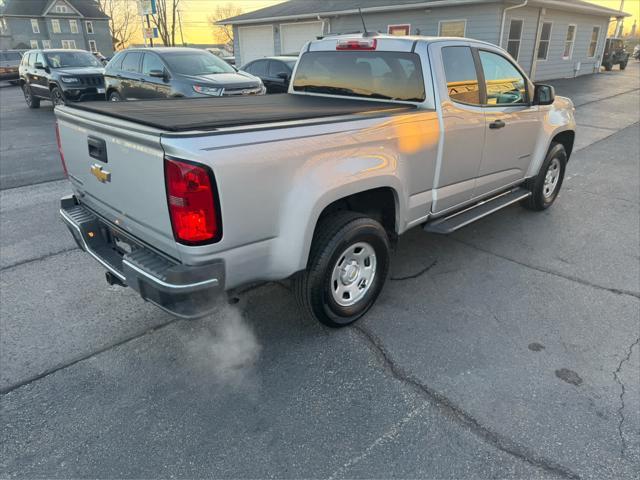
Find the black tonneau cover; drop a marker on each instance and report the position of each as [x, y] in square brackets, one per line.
[211, 113]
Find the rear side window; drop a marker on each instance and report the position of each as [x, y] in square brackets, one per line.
[131, 62]
[258, 68]
[9, 56]
[32, 59]
[25, 59]
[369, 74]
[461, 75]
[116, 62]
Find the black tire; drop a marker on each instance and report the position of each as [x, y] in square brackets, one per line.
[114, 97]
[32, 102]
[57, 97]
[334, 235]
[608, 67]
[541, 198]
[623, 65]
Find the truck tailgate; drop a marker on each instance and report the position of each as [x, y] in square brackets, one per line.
[117, 170]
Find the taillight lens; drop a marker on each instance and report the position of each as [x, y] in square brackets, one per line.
[192, 199]
[64, 164]
[357, 44]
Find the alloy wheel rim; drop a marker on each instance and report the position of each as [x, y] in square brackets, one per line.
[551, 178]
[353, 274]
[57, 98]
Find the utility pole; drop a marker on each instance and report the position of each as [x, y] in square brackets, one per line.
[180, 24]
[620, 25]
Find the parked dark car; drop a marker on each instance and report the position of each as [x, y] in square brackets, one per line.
[275, 72]
[615, 53]
[173, 72]
[60, 76]
[9, 63]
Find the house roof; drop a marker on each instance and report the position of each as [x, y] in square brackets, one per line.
[36, 8]
[301, 9]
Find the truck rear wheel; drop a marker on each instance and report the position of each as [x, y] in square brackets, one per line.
[546, 185]
[32, 102]
[347, 268]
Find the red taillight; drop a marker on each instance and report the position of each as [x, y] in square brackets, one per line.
[357, 44]
[191, 195]
[64, 164]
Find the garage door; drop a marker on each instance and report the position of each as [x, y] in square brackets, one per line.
[255, 42]
[293, 36]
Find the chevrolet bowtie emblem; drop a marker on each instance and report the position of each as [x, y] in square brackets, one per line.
[102, 175]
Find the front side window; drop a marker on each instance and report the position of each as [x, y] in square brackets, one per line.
[569, 41]
[73, 25]
[452, 28]
[461, 75]
[131, 62]
[369, 74]
[80, 59]
[35, 28]
[151, 62]
[196, 63]
[55, 25]
[39, 59]
[515, 35]
[504, 83]
[34, 43]
[593, 45]
[545, 40]
[276, 68]
[89, 25]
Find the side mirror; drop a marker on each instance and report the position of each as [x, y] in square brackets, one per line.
[544, 94]
[158, 74]
[40, 66]
[284, 76]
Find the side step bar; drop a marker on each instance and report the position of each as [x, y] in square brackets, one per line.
[462, 218]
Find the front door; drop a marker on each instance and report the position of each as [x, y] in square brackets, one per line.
[464, 126]
[512, 124]
[38, 79]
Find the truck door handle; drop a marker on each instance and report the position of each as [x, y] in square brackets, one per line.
[497, 124]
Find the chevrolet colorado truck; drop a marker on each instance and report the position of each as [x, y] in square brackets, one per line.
[183, 199]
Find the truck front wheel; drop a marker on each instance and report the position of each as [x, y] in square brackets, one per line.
[347, 268]
[546, 185]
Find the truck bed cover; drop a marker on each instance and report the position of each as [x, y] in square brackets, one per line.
[210, 113]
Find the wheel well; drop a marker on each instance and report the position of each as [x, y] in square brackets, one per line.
[379, 203]
[566, 139]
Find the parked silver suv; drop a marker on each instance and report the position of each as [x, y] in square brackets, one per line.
[174, 72]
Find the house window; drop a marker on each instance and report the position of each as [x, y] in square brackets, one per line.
[89, 25]
[452, 28]
[61, 9]
[545, 40]
[55, 25]
[35, 28]
[34, 43]
[46, 43]
[73, 25]
[68, 44]
[515, 36]
[569, 41]
[92, 46]
[593, 45]
[399, 29]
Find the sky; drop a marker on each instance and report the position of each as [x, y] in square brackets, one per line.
[197, 29]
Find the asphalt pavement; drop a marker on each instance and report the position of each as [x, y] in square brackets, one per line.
[507, 350]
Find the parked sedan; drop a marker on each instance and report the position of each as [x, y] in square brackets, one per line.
[9, 63]
[173, 72]
[275, 72]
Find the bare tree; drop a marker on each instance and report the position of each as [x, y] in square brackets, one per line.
[220, 13]
[165, 20]
[123, 20]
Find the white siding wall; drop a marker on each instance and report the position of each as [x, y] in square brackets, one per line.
[555, 66]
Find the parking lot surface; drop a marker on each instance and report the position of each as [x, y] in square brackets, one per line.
[510, 349]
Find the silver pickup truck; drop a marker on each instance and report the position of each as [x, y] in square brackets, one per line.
[183, 199]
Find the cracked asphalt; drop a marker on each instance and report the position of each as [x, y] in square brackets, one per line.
[508, 350]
